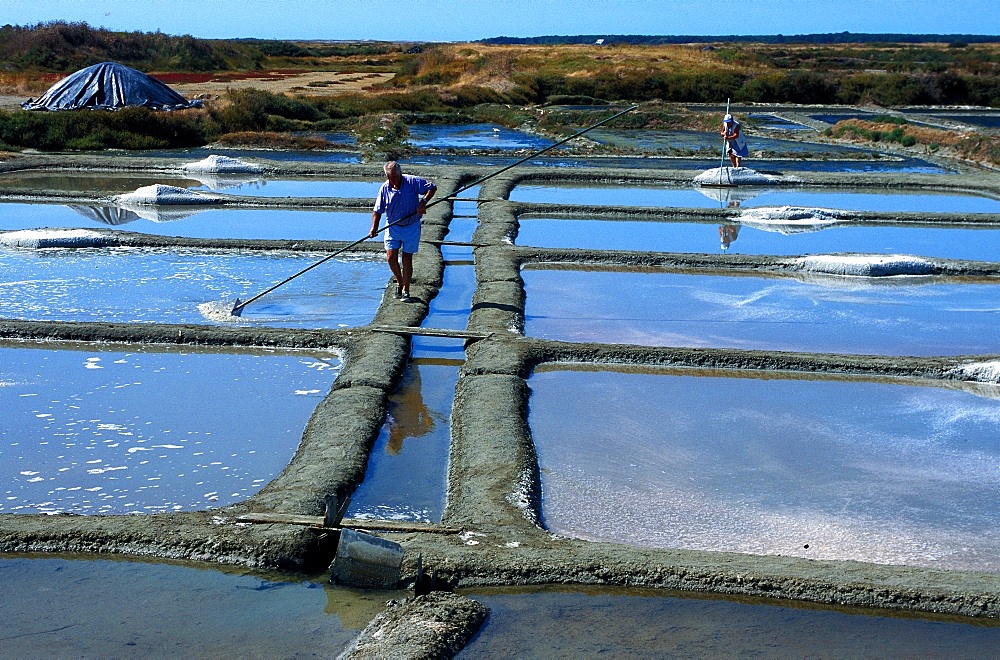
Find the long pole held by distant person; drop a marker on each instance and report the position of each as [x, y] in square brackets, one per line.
[723, 159]
[238, 307]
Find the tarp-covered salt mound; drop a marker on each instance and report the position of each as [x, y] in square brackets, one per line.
[866, 265]
[54, 238]
[159, 194]
[109, 86]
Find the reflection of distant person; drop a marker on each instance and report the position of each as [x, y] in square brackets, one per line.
[403, 198]
[728, 234]
[736, 144]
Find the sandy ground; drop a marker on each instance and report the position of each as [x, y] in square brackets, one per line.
[312, 83]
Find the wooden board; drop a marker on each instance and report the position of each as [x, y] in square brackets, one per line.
[432, 332]
[348, 523]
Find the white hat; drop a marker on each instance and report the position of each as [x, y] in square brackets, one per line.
[727, 118]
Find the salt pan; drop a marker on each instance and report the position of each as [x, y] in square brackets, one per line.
[982, 372]
[866, 265]
[222, 165]
[736, 176]
[161, 194]
[54, 238]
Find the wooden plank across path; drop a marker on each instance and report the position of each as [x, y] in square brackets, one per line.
[351, 523]
[432, 332]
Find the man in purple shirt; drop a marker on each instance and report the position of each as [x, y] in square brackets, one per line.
[403, 198]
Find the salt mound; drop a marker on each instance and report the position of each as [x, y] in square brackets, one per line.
[866, 265]
[734, 176]
[54, 238]
[222, 165]
[788, 219]
[161, 194]
[981, 372]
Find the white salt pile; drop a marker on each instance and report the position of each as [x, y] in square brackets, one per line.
[735, 176]
[223, 165]
[866, 265]
[789, 219]
[54, 238]
[158, 193]
[981, 372]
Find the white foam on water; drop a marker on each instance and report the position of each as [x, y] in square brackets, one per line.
[222, 165]
[866, 265]
[736, 176]
[54, 238]
[981, 372]
[158, 194]
[219, 312]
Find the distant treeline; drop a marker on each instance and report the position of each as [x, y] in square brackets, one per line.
[832, 38]
[61, 47]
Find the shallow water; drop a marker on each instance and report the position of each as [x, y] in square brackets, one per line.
[595, 623]
[683, 142]
[779, 123]
[200, 153]
[100, 430]
[756, 196]
[249, 184]
[273, 224]
[160, 286]
[473, 136]
[407, 476]
[881, 316]
[407, 472]
[825, 469]
[696, 165]
[122, 609]
[946, 242]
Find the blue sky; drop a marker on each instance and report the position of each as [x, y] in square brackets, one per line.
[467, 20]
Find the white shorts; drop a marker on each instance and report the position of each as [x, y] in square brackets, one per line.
[407, 237]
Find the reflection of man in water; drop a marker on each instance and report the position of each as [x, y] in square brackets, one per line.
[409, 416]
[728, 234]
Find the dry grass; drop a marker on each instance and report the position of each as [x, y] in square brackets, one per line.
[306, 83]
[493, 66]
[966, 145]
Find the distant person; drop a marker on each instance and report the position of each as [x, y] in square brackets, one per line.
[736, 144]
[403, 198]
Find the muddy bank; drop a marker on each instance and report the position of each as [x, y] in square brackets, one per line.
[493, 480]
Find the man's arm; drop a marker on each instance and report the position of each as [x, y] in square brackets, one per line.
[376, 216]
[422, 204]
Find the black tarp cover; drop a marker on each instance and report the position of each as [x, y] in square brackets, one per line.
[109, 86]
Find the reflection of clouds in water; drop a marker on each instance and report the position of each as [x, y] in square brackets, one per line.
[945, 420]
[647, 514]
